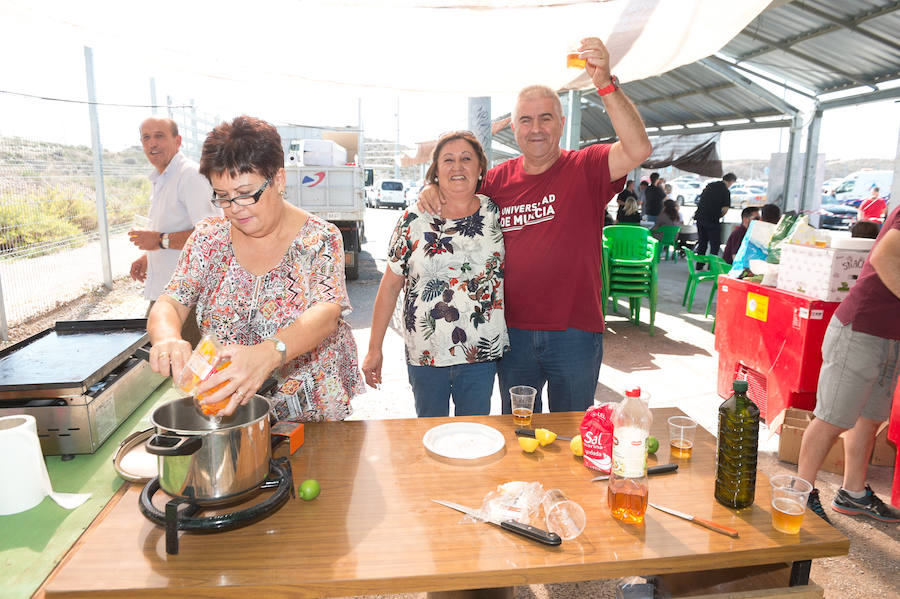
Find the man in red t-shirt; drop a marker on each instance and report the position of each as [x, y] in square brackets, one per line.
[860, 364]
[552, 204]
[872, 208]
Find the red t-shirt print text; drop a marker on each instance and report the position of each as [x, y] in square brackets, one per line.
[518, 216]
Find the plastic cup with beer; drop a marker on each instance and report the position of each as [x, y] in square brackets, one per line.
[574, 59]
[522, 399]
[681, 436]
[789, 495]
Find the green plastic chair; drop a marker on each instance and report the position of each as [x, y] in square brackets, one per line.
[668, 237]
[722, 268]
[632, 259]
[695, 276]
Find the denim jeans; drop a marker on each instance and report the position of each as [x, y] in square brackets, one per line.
[568, 361]
[470, 385]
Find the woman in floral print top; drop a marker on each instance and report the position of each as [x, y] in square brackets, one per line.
[451, 271]
[268, 282]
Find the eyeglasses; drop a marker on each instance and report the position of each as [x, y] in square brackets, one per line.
[247, 199]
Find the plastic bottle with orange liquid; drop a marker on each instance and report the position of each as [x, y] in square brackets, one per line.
[627, 493]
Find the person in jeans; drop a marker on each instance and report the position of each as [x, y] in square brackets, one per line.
[552, 203]
[451, 271]
[713, 204]
[860, 364]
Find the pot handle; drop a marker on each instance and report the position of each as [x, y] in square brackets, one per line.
[267, 386]
[172, 445]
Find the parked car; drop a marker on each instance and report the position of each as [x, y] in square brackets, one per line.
[685, 192]
[412, 194]
[389, 192]
[829, 185]
[834, 216]
[369, 192]
[857, 186]
[742, 197]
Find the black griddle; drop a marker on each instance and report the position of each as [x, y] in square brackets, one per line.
[68, 358]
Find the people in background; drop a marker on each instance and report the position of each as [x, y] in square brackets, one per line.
[653, 198]
[179, 200]
[642, 194]
[669, 215]
[860, 364]
[267, 280]
[737, 235]
[713, 204]
[551, 207]
[450, 268]
[872, 208]
[770, 213]
[864, 228]
[629, 213]
[626, 193]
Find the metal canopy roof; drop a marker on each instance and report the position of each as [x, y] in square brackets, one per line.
[807, 47]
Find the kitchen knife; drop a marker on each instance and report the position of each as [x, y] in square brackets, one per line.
[527, 432]
[529, 532]
[659, 469]
[704, 523]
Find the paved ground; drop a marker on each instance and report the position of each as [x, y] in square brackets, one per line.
[677, 366]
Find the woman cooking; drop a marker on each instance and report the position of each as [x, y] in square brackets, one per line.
[451, 271]
[267, 281]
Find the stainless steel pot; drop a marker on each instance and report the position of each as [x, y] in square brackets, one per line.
[208, 463]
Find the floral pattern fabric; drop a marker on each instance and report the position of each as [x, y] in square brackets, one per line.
[453, 293]
[239, 307]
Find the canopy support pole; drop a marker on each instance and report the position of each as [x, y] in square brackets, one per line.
[571, 139]
[809, 198]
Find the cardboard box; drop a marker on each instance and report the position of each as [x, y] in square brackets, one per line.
[793, 424]
[823, 273]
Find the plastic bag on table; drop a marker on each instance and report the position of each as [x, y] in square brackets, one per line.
[755, 246]
[783, 229]
[596, 437]
[516, 500]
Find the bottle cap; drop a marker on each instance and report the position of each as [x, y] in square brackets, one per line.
[740, 386]
[636, 392]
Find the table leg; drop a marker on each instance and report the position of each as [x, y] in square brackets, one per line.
[495, 593]
[800, 573]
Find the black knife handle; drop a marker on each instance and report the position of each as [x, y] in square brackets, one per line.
[527, 432]
[662, 468]
[530, 532]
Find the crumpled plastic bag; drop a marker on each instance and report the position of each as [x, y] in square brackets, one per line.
[755, 246]
[596, 437]
[783, 230]
[516, 500]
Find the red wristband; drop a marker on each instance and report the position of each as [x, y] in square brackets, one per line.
[613, 86]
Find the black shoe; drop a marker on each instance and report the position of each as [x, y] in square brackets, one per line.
[870, 506]
[813, 503]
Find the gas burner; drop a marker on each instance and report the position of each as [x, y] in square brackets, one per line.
[179, 512]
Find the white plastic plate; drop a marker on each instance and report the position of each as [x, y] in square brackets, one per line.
[463, 440]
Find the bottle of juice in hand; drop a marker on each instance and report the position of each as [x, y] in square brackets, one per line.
[205, 361]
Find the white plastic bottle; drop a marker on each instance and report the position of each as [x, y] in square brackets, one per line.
[627, 493]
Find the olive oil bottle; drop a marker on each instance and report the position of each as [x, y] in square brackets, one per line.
[737, 449]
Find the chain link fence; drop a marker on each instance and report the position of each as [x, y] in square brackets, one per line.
[50, 243]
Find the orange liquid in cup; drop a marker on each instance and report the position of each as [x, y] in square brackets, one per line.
[522, 416]
[680, 448]
[574, 61]
[787, 515]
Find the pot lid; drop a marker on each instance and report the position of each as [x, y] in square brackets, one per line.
[132, 461]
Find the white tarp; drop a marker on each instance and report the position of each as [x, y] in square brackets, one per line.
[474, 47]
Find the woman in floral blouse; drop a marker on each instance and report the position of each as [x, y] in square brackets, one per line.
[268, 282]
[451, 271]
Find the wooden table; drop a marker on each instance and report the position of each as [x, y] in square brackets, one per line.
[374, 529]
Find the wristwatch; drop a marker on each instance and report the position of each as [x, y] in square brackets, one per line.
[164, 241]
[613, 86]
[280, 346]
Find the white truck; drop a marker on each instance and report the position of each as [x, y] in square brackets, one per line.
[333, 193]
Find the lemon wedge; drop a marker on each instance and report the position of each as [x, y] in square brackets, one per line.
[576, 446]
[528, 444]
[544, 436]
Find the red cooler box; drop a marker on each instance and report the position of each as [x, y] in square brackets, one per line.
[773, 339]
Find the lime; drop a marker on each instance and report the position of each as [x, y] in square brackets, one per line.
[544, 436]
[528, 444]
[576, 446]
[309, 489]
[652, 444]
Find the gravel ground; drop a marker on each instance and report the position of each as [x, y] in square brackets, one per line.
[872, 568]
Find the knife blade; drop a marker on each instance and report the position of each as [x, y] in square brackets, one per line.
[525, 530]
[658, 469]
[714, 526]
[527, 432]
